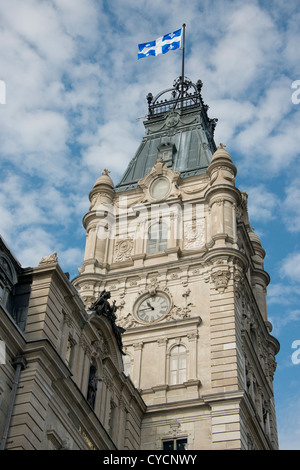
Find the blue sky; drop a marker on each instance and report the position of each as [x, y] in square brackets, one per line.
[75, 91]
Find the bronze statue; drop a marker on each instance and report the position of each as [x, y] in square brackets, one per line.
[103, 307]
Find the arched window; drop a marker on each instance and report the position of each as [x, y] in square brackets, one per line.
[178, 365]
[157, 237]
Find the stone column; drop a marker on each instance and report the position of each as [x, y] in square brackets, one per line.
[120, 436]
[162, 371]
[192, 366]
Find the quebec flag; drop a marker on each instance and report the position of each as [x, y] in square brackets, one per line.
[161, 45]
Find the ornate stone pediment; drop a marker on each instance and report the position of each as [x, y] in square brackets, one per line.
[49, 259]
[160, 174]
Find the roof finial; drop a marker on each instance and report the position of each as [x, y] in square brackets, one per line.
[221, 146]
[105, 171]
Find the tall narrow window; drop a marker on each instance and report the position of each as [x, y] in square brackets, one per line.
[70, 352]
[2, 294]
[92, 386]
[178, 365]
[127, 364]
[157, 237]
[111, 419]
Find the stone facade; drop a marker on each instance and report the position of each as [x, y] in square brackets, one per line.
[211, 274]
[173, 246]
[49, 398]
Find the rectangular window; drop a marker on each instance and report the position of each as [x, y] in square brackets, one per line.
[157, 238]
[177, 373]
[175, 444]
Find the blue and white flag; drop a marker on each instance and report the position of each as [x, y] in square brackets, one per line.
[161, 45]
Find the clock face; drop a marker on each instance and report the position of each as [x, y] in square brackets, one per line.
[152, 308]
[160, 188]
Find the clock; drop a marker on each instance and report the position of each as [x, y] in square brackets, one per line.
[160, 188]
[152, 307]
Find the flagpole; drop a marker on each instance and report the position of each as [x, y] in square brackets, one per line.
[183, 47]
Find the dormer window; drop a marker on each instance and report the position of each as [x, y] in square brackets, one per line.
[167, 150]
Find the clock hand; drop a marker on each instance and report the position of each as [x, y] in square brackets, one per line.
[149, 305]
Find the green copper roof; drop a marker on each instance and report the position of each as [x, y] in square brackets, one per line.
[178, 130]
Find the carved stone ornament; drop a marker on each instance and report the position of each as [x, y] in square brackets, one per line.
[160, 169]
[88, 299]
[195, 189]
[153, 286]
[174, 428]
[172, 118]
[238, 277]
[220, 279]
[194, 236]
[123, 249]
[127, 321]
[101, 345]
[178, 313]
[49, 259]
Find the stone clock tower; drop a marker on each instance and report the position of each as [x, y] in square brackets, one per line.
[173, 245]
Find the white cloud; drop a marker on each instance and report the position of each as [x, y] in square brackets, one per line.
[38, 25]
[288, 318]
[270, 142]
[231, 114]
[70, 258]
[283, 294]
[291, 267]
[291, 51]
[78, 18]
[262, 204]
[111, 147]
[291, 206]
[32, 244]
[249, 43]
[288, 417]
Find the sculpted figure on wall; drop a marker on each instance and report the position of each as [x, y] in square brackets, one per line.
[103, 307]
